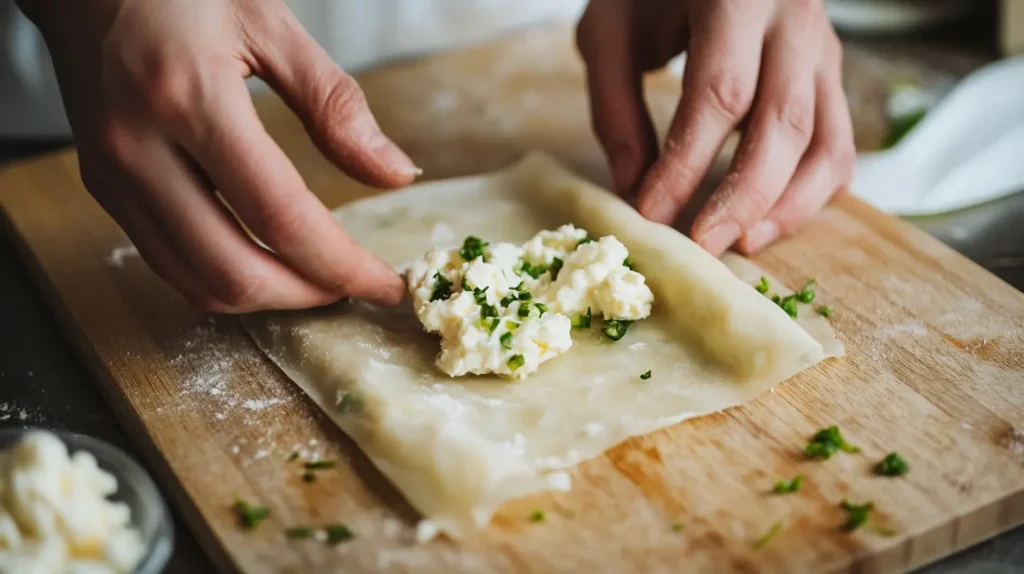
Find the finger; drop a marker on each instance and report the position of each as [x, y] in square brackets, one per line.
[781, 124]
[331, 105]
[211, 244]
[269, 195]
[619, 115]
[825, 170]
[144, 230]
[718, 87]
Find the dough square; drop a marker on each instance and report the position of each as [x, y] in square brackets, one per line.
[457, 448]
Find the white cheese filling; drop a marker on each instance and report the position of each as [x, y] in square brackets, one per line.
[505, 309]
[55, 515]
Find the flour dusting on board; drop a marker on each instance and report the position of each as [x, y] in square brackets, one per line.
[118, 255]
[206, 360]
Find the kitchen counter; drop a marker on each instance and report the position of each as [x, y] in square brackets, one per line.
[42, 382]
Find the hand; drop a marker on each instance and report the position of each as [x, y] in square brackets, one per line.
[774, 65]
[161, 117]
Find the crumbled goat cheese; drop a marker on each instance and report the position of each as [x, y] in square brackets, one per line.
[55, 515]
[509, 310]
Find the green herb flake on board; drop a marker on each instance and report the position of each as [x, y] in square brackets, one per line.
[788, 304]
[250, 516]
[537, 516]
[893, 465]
[826, 442]
[856, 514]
[299, 533]
[884, 531]
[321, 465]
[768, 536]
[824, 311]
[338, 533]
[645, 376]
[789, 486]
[678, 525]
[763, 286]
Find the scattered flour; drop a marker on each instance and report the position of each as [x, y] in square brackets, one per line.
[206, 361]
[260, 405]
[118, 255]
[915, 329]
[9, 412]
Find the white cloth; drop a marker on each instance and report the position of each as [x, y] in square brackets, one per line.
[357, 33]
[969, 149]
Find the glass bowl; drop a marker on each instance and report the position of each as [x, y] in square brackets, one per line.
[135, 488]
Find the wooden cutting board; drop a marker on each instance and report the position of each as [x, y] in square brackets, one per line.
[935, 370]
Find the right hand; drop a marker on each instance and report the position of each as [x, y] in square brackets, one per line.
[161, 116]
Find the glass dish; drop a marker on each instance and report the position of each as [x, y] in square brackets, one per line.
[135, 488]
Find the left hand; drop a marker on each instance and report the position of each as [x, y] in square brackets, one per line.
[774, 65]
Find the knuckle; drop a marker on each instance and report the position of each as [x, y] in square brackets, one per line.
[208, 303]
[730, 95]
[796, 113]
[843, 157]
[585, 34]
[280, 222]
[236, 288]
[114, 141]
[342, 100]
[166, 90]
[756, 203]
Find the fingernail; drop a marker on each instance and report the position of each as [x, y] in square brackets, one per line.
[656, 206]
[392, 156]
[765, 232]
[721, 237]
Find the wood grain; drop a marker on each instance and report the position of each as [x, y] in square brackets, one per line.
[935, 370]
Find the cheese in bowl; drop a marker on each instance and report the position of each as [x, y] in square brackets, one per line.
[56, 515]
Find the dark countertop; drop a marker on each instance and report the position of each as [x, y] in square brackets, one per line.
[43, 383]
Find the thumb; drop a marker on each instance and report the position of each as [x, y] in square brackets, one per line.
[332, 107]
